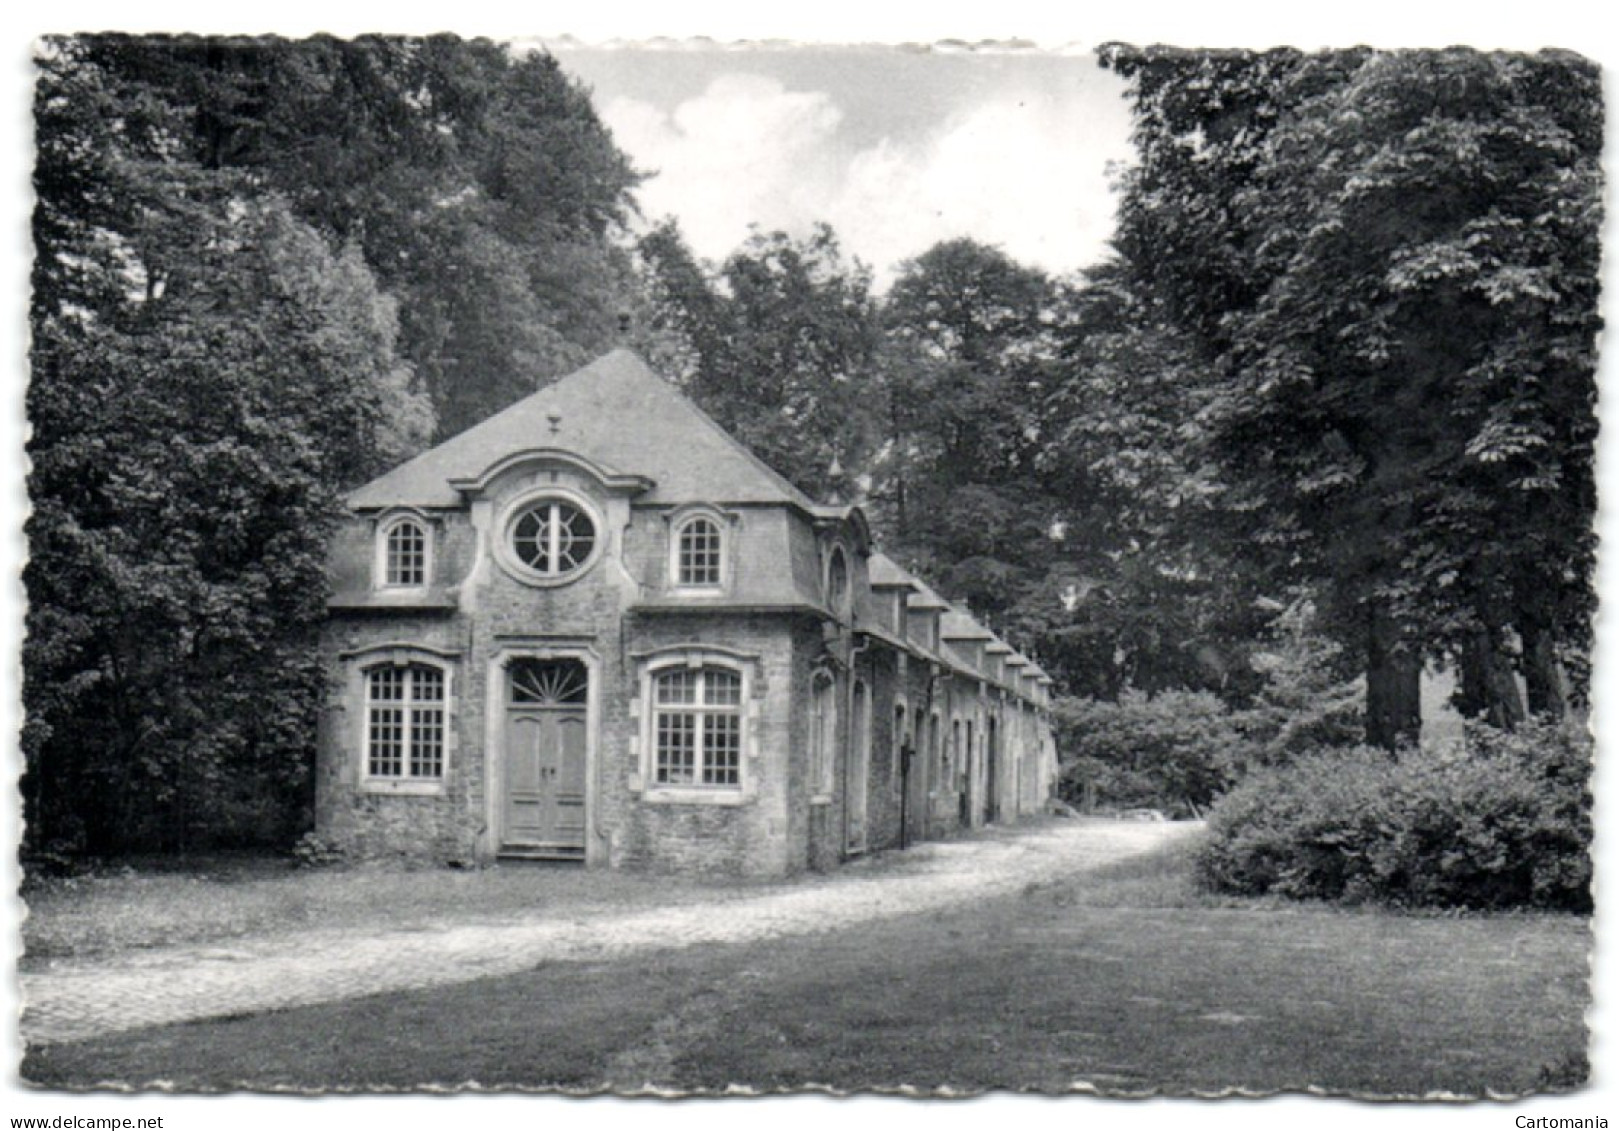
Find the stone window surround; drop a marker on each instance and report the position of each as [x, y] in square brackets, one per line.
[359, 664]
[386, 524]
[501, 535]
[543, 646]
[724, 523]
[643, 709]
[699, 714]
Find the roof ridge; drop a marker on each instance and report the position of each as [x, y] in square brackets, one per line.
[618, 385]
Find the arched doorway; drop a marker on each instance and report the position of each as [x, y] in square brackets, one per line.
[859, 770]
[991, 769]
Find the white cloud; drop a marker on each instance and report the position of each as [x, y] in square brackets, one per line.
[1024, 171]
[746, 150]
[1017, 172]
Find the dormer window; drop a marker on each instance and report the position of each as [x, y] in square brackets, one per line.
[699, 553]
[407, 554]
[837, 583]
[404, 553]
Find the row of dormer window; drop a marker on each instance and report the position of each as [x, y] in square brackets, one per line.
[552, 539]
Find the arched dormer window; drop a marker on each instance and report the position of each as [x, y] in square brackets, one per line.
[837, 583]
[697, 552]
[404, 552]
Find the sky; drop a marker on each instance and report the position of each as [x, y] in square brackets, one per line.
[896, 148]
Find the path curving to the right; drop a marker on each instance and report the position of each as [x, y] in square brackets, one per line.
[74, 1001]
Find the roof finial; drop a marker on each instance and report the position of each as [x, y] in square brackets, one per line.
[556, 421]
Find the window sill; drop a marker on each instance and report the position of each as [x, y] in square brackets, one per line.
[401, 788]
[678, 795]
[821, 799]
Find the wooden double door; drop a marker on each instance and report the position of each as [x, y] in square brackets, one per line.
[546, 746]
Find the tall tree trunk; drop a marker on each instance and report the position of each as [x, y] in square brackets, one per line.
[1489, 683]
[1393, 685]
[1543, 674]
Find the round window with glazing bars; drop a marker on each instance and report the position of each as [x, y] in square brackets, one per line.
[552, 538]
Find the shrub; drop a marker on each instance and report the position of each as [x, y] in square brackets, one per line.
[316, 851]
[1167, 751]
[1504, 822]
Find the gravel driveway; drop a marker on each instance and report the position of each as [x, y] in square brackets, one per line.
[75, 1000]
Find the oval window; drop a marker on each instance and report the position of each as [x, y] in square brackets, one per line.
[552, 538]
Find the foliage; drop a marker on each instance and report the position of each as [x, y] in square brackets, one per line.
[1147, 591]
[315, 851]
[777, 346]
[1308, 699]
[1504, 823]
[477, 183]
[185, 457]
[1179, 750]
[1384, 268]
[1163, 751]
[969, 344]
[265, 270]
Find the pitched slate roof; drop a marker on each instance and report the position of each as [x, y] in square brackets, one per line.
[616, 413]
[885, 573]
[925, 597]
[957, 625]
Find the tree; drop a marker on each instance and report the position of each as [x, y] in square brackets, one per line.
[777, 346]
[970, 340]
[1155, 595]
[207, 372]
[478, 184]
[185, 463]
[1389, 261]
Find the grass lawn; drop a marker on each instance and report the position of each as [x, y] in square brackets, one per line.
[1125, 979]
[232, 896]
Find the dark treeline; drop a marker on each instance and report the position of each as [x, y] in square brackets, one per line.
[265, 271]
[1326, 412]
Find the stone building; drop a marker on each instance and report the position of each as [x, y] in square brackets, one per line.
[596, 627]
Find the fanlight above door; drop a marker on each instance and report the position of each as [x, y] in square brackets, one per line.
[548, 683]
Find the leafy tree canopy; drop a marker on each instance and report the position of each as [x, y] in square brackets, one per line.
[1384, 267]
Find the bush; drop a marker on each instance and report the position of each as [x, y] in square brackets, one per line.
[1168, 751]
[1504, 822]
[315, 851]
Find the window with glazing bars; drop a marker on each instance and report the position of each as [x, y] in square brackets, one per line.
[407, 555]
[405, 722]
[697, 722]
[698, 553]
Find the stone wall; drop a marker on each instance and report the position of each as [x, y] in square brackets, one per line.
[617, 617]
[753, 837]
[441, 826]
